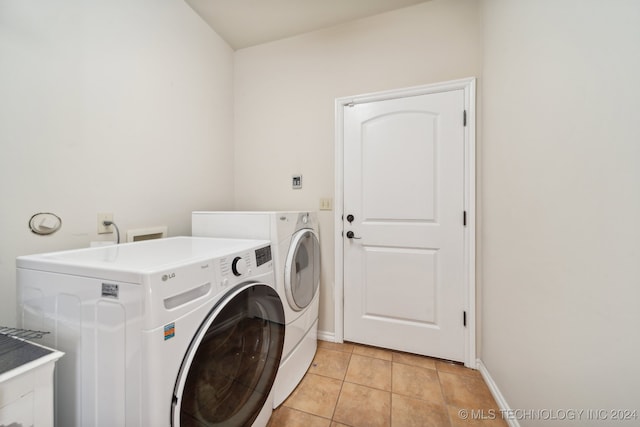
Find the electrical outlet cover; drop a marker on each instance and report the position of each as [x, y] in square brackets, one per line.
[104, 229]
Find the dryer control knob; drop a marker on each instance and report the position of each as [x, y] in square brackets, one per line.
[238, 266]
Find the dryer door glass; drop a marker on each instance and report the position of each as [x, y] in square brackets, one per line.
[302, 269]
[232, 362]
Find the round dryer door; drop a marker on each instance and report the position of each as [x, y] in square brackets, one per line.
[231, 364]
[302, 269]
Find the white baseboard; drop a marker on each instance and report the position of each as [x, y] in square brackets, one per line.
[326, 336]
[495, 391]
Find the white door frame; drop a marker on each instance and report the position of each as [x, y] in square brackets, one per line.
[468, 85]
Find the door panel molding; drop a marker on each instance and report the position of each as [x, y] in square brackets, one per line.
[468, 85]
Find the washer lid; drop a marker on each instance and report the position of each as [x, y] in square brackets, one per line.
[302, 269]
[129, 262]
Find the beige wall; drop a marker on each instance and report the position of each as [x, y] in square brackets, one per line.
[561, 204]
[124, 107]
[557, 176]
[285, 93]
[108, 106]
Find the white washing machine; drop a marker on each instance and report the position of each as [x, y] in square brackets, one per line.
[296, 253]
[173, 332]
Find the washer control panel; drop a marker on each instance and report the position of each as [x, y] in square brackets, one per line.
[239, 266]
[263, 255]
[235, 267]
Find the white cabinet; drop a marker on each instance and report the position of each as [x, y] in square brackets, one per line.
[26, 383]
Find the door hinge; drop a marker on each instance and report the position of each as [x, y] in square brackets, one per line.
[464, 319]
[464, 218]
[464, 118]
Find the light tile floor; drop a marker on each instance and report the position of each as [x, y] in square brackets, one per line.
[360, 386]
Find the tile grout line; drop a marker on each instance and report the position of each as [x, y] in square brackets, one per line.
[391, 395]
[333, 414]
[444, 398]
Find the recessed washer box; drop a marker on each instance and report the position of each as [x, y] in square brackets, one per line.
[147, 233]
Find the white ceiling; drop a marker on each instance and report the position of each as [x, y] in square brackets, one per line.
[244, 23]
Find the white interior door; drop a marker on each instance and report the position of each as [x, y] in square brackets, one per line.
[404, 202]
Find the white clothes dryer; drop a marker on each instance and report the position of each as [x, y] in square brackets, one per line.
[296, 252]
[172, 332]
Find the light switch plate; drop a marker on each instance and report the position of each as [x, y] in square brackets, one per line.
[326, 204]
